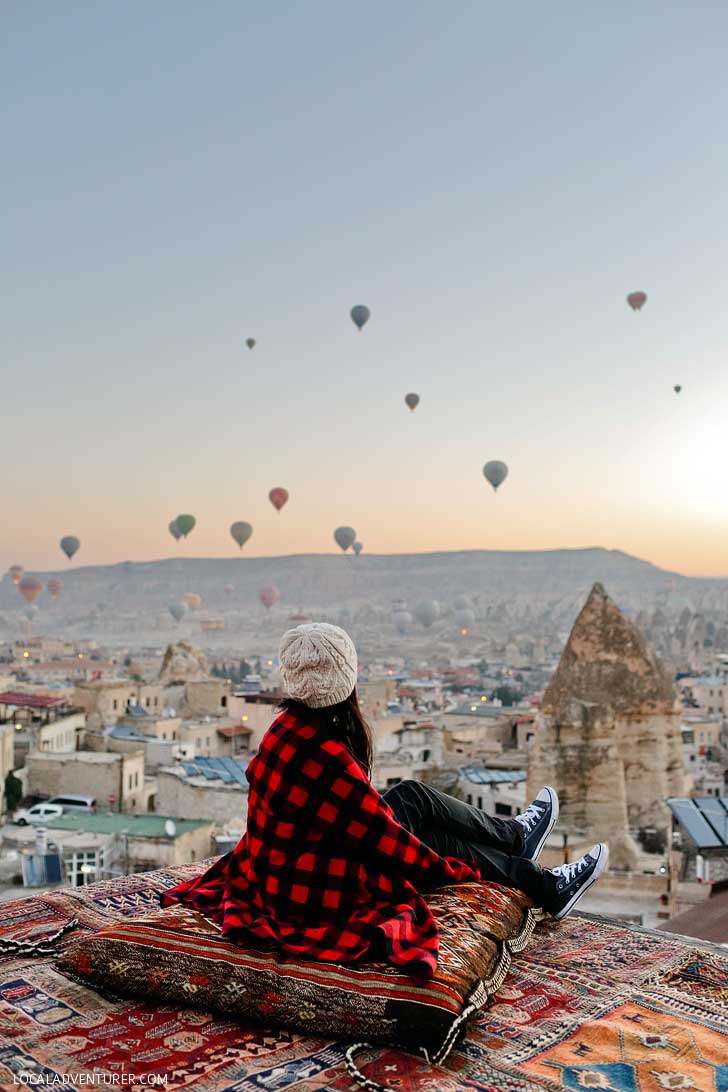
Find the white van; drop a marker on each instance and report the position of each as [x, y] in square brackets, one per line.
[77, 802]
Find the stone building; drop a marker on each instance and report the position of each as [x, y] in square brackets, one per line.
[608, 734]
[116, 779]
[197, 795]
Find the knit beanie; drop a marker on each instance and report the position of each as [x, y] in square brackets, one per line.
[318, 664]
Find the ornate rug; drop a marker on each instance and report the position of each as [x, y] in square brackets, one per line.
[585, 1006]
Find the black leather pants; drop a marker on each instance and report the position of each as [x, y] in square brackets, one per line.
[456, 829]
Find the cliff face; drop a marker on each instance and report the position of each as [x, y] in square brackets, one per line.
[608, 735]
[606, 660]
[183, 663]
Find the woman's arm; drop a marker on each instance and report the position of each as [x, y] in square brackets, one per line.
[348, 805]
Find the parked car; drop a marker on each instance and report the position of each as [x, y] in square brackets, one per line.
[39, 813]
[77, 802]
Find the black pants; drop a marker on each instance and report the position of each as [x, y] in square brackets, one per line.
[456, 829]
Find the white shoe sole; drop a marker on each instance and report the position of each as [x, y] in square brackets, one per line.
[554, 819]
[602, 861]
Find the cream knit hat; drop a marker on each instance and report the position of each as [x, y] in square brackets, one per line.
[318, 664]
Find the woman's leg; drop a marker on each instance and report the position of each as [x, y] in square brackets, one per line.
[424, 810]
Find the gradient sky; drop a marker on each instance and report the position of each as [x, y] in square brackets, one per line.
[491, 179]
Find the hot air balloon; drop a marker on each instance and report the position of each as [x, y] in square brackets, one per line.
[495, 472]
[357, 547]
[174, 530]
[16, 573]
[30, 588]
[360, 315]
[637, 300]
[677, 388]
[250, 342]
[427, 612]
[269, 595]
[344, 537]
[55, 587]
[464, 619]
[70, 545]
[241, 532]
[462, 602]
[178, 611]
[229, 589]
[192, 600]
[412, 400]
[185, 524]
[278, 497]
[402, 620]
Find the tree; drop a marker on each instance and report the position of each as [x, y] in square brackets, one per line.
[507, 695]
[13, 791]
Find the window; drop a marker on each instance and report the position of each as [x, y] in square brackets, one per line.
[480, 802]
[223, 701]
[83, 867]
[130, 780]
[147, 702]
[207, 741]
[503, 809]
[136, 778]
[115, 704]
[156, 702]
[470, 798]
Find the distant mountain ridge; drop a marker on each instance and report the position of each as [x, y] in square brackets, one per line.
[533, 578]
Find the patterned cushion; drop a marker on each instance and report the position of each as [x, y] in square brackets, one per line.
[176, 955]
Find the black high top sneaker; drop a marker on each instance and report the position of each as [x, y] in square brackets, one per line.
[574, 880]
[537, 822]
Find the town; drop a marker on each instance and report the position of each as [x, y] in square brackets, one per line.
[117, 761]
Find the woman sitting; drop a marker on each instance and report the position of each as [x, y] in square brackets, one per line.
[328, 868]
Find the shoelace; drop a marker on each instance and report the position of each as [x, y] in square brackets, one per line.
[530, 817]
[569, 872]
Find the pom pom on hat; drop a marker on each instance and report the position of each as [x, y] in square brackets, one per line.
[318, 664]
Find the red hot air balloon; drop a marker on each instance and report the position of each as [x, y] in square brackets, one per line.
[55, 587]
[637, 300]
[269, 595]
[30, 588]
[16, 573]
[278, 497]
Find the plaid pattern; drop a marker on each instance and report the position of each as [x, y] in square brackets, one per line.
[324, 869]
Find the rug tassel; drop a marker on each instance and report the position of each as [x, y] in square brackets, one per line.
[39, 947]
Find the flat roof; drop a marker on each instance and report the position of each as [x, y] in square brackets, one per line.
[29, 701]
[115, 822]
[90, 758]
[480, 776]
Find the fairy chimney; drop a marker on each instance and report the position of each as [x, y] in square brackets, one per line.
[608, 733]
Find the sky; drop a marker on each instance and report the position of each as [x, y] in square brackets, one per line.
[491, 180]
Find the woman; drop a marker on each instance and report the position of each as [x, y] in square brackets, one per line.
[330, 870]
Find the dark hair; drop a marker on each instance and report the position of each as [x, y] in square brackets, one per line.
[344, 721]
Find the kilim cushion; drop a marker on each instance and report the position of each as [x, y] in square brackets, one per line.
[177, 955]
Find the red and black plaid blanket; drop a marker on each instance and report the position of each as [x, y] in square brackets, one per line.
[324, 870]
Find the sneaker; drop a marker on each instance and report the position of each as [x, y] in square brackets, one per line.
[573, 880]
[537, 822]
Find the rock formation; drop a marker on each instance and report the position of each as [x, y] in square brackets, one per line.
[182, 663]
[608, 733]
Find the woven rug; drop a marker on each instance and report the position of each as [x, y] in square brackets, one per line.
[585, 1006]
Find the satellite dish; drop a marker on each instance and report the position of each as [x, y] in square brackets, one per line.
[170, 828]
